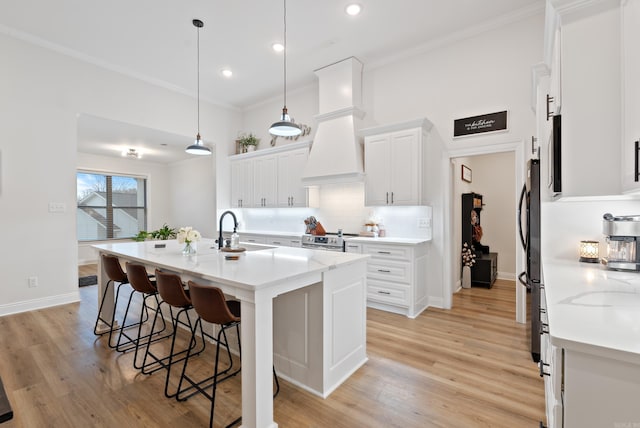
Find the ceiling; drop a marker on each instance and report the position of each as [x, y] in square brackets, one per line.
[154, 40]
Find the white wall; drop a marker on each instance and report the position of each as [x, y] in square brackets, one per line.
[42, 93]
[486, 73]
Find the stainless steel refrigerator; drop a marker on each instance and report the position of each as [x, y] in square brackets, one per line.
[530, 237]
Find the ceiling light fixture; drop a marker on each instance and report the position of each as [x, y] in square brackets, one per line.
[285, 127]
[198, 148]
[278, 47]
[227, 73]
[353, 9]
[132, 153]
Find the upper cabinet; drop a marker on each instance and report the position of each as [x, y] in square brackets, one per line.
[583, 53]
[271, 178]
[395, 163]
[631, 95]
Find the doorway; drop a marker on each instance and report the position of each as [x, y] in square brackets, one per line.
[452, 243]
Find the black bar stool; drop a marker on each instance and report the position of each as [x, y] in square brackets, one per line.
[211, 306]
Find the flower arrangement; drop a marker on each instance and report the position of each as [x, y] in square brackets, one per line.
[248, 140]
[468, 256]
[188, 235]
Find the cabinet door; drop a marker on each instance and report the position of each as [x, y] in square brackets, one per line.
[265, 182]
[291, 192]
[242, 184]
[630, 92]
[377, 179]
[405, 157]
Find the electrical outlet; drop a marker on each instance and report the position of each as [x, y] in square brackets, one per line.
[423, 223]
[32, 281]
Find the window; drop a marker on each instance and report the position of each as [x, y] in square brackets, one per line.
[110, 206]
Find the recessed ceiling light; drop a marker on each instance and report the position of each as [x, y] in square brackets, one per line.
[226, 72]
[278, 47]
[353, 9]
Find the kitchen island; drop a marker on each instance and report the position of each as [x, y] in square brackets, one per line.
[311, 304]
[590, 355]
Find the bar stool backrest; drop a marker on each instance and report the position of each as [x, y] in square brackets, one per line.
[171, 289]
[113, 269]
[210, 304]
[139, 278]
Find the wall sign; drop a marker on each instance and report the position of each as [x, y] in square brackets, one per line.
[480, 124]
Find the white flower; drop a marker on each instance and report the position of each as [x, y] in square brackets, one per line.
[188, 235]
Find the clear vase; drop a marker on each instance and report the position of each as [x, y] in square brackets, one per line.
[466, 277]
[189, 248]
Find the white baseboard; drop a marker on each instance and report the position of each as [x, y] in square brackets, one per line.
[41, 303]
[509, 276]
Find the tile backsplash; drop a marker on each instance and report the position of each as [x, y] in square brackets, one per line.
[341, 207]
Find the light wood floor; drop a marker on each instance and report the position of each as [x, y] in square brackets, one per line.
[467, 367]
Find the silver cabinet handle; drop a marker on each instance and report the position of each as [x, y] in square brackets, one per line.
[391, 198]
[276, 243]
[384, 252]
[384, 271]
[387, 197]
[384, 292]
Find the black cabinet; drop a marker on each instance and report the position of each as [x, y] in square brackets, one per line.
[485, 270]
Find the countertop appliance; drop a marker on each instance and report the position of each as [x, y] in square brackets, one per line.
[623, 242]
[530, 238]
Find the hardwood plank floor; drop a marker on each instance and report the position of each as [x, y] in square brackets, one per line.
[467, 367]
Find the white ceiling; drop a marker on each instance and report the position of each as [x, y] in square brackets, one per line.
[155, 40]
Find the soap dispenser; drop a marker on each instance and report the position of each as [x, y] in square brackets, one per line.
[235, 240]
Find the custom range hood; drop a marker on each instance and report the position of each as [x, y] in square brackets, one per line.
[336, 153]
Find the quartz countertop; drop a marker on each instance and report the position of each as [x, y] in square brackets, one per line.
[260, 266]
[593, 309]
[387, 240]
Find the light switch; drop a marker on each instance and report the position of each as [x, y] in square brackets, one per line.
[57, 207]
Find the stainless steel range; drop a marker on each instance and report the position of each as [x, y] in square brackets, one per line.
[326, 242]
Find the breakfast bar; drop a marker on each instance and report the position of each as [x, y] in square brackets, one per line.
[305, 307]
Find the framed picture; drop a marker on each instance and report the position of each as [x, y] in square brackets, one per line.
[466, 173]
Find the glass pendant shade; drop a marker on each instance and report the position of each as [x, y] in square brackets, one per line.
[285, 127]
[198, 148]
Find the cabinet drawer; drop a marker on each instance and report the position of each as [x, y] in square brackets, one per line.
[384, 292]
[387, 270]
[387, 251]
[352, 248]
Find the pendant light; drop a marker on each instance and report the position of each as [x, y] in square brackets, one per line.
[198, 148]
[285, 127]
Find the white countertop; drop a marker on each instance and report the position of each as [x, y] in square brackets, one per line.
[387, 240]
[593, 309]
[262, 266]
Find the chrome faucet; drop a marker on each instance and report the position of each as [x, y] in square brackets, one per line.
[220, 240]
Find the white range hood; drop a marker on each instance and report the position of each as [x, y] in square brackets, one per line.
[336, 154]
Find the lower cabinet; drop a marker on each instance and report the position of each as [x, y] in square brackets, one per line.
[485, 270]
[588, 386]
[396, 276]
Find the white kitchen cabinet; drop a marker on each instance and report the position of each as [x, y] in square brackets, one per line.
[395, 163]
[631, 94]
[291, 192]
[396, 277]
[242, 183]
[271, 178]
[583, 47]
[265, 185]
